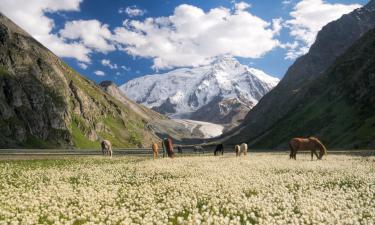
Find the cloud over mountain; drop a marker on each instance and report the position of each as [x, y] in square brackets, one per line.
[192, 37]
[308, 17]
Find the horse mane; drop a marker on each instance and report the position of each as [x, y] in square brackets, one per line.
[320, 144]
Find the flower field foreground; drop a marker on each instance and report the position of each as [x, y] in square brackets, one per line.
[259, 189]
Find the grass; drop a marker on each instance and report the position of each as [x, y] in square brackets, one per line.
[79, 138]
[3, 71]
[263, 188]
[337, 123]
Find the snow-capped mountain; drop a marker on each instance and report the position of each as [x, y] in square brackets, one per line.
[221, 93]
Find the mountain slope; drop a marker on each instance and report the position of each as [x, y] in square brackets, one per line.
[160, 124]
[221, 93]
[44, 103]
[338, 106]
[332, 41]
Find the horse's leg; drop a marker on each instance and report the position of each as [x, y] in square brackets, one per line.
[312, 155]
[291, 156]
[316, 154]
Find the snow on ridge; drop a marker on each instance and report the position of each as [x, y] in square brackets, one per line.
[188, 89]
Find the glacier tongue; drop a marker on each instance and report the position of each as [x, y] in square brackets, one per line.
[181, 93]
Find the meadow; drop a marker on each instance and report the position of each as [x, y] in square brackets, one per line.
[262, 188]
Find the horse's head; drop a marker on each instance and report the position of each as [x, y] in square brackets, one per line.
[321, 147]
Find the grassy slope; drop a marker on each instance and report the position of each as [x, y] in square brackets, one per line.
[124, 131]
[337, 107]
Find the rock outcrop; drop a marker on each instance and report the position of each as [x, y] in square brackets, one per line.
[45, 103]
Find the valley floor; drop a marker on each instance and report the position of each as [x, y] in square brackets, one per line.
[262, 188]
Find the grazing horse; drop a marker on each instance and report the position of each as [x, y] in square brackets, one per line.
[237, 149]
[167, 143]
[155, 150]
[106, 147]
[219, 148]
[241, 149]
[311, 143]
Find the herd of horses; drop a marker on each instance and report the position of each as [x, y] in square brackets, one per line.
[312, 144]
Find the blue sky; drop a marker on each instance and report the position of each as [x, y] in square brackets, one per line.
[92, 37]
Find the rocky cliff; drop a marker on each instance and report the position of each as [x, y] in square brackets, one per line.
[332, 41]
[337, 106]
[45, 103]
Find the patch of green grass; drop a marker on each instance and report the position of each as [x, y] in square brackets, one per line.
[79, 139]
[3, 71]
[35, 142]
[124, 135]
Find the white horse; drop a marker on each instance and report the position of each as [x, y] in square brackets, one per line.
[106, 147]
[241, 149]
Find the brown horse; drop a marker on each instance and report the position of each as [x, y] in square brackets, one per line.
[311, 143]
[106, 147]
[155, 150]
[168, 146]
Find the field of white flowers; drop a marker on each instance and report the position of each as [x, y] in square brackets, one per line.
[257, 189]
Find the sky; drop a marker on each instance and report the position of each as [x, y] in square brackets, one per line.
[120, 40]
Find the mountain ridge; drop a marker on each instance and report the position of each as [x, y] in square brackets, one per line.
[209, 93]
[46, 104]
[337, 106]
[332, 41]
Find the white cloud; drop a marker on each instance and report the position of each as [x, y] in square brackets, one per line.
[192, 37]
[30, 16]
[125, 68]
[241, 6]
[91, 33]
[99, 73]
[106, 62]
[83, 65]
[308, 17]
[286, 2]
[132, 11]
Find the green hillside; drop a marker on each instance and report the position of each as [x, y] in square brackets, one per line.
[46, 104]
[337, 106]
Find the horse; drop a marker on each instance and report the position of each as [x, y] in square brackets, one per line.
[311, 143]
[219, 148]
[155, 150]
[237, 150]
[168, 146]
[106, 147]
[241, 149]
[179, 149]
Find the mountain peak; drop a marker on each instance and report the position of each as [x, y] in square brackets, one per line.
[218, 91]
[226, 62]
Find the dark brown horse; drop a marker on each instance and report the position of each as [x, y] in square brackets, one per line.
[219, 148]
[168, 145]
[311, 143]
